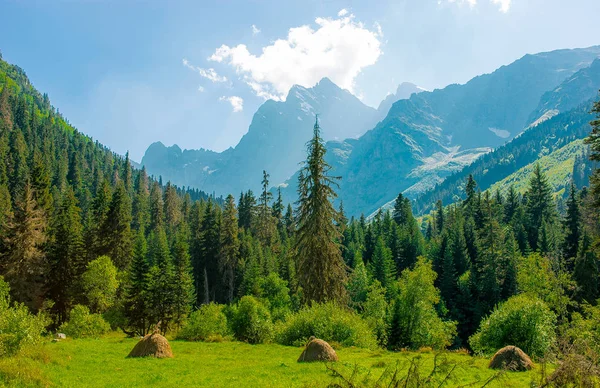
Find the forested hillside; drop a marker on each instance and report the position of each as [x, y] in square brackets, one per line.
[543, 139]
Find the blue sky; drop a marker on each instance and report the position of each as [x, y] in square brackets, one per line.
[129, 73]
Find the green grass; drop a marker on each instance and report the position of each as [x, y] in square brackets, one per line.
[103, 363]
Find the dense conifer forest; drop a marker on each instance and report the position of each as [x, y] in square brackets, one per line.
[84, 234]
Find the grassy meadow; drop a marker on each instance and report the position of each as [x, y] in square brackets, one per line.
[103, 363]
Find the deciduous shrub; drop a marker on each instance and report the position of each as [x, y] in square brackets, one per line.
[100, 283]
[208, 323]
[251, 321]
[328, 322]
[523, 321]
[18, 327]
[82, 324]
[415, 320]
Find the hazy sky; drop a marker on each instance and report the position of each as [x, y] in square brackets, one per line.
[129, 73]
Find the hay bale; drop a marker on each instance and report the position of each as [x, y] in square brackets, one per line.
[317, 350]
[511, 358]
[152, 345]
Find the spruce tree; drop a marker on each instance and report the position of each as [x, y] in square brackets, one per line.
[183, 284]
[572, 225]
[23, 264]
[229, 254]
[135, 307]
[65, 256]
[540, 207]
[160, 297]
[585, 272]
[321, 269]
[117, 228]
[383, 267]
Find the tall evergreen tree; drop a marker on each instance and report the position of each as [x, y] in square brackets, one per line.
[572, 225]
[23, 264]
[229, 255]
[65, 256]
[135, 307]
[321, 269]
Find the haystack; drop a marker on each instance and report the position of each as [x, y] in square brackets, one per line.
[317, 350]
[511, 358]
[152, 345]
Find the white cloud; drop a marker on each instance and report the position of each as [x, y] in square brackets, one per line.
[472, 3]
[200, 88]
[237, 103]
[504, 5]
[209, 74]
[343, 12]
[255, 30]
[337, 48]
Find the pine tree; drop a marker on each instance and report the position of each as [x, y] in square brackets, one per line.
[383, 267]
[135, 308]
[160, 297]
[183, 284]
[157, 217]
[229, 254]
[540, 207]
[439, 216]
[246, 209]
[65, 256]
[321, 269]
[172, 210]
[23, 263]
[512, 204]
[18, 168]
[207, 269]
[117, 228]
[140, 207]
[490, 253]
[572, 225]
[402, 210]
[585, 272]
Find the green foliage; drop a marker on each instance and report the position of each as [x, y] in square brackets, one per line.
[276, 296]
[82, 324]
[328, 322]
[536, 277]
[415, 320]
[100, 284]
[251, 321]
[375, 312]
[321, 269]
[18, 327]
[522, 321]
[208, 323]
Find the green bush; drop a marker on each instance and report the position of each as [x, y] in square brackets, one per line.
[206, 323]
[523, 321]
[276, 296]
[415, 321]
[82, 324]
[100, 283]
[18, 327]
[251, 321]
[328, 322]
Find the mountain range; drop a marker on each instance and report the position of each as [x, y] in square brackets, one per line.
[412, 143]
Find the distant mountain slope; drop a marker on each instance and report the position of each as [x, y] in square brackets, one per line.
[580, 87]
[539, 141]
[274, 142]
[429, 136]
[558, 166]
